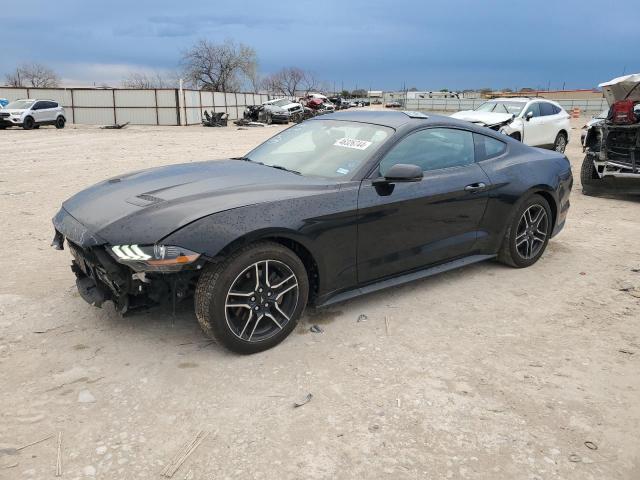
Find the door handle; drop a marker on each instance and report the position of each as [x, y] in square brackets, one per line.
[475, 187]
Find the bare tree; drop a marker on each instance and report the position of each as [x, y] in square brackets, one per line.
[255, 79]
[290, 81]
[145, 81]
[32, 75]
[218, 67]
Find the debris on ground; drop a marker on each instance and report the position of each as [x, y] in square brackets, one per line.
[362, 318]
[243, 122]
[85, 396]
[173, 466]
[59, 456]
[627, 352]
[115, 126]
[215, 119]
[386, 324]
[590, 445]
[306, 400]
[35, 443]
[316, 329]
[575, 458]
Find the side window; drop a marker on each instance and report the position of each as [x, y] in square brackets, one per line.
[535, 108]
[52, 105]
[488, 147]
[432, 149]
[556, 109]
[546, 109]
[38, 106]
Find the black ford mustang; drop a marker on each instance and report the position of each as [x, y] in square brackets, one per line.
[337, 206]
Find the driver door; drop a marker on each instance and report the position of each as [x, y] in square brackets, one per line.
[408, 226]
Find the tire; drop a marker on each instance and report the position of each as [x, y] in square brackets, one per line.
[60, 122]
[36, 127]
[268, 119]
[243, 329]
[515, 247]
[560, 143]
[3, 127]
[28, 123]
[588, 175]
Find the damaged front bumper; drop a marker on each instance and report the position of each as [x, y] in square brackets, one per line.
[615, 153]
[102, 276]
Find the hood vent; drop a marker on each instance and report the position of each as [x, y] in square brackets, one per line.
[144, 200]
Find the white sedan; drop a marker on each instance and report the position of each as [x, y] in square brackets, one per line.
[534, 121]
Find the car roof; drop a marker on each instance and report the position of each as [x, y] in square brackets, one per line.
[511, 99]
[394, 119]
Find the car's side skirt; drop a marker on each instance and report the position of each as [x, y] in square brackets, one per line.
[402, 279]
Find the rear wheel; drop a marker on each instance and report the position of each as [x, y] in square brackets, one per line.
[28, 123]
[253, 300]
[269, 119]
[561, 142]
[528, 234]
[60, 121]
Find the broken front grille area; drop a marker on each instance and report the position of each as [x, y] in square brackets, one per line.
[623, 146]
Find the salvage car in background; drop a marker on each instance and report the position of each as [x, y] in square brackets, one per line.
[534, 121]
[295, 109]
[598, 117]
[612, 145]
[30, 114]
[267, 113]
[338, 206]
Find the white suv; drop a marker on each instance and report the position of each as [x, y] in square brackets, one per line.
[30, 114]
[534, 121]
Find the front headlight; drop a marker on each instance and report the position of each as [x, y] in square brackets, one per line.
[154, 258]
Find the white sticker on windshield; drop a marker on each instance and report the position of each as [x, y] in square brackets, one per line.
[342, 171]
[352, 143]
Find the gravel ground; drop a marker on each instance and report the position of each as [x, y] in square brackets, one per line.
[485, 372]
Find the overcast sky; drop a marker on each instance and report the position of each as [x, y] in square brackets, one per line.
[372, 44]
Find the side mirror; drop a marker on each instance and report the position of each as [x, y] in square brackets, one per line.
[401, 172]
[528, 116]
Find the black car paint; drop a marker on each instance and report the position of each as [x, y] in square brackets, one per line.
[355, 232]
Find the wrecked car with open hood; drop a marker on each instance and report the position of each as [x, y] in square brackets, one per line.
[612, 145]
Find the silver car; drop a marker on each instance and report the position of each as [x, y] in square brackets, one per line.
[30, 113]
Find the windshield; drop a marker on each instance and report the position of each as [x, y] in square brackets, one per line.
[19, 105]
[281, 103]
[501, 107]
[322, 148]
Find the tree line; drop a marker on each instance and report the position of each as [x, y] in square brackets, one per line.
[219, 67]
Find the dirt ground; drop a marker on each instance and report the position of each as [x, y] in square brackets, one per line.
[487, 372]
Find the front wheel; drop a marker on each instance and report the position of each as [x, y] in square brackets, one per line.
[252, 300]
[28, 123]
[560, 143]
[528, 234]
[588, 175]
[60, 122]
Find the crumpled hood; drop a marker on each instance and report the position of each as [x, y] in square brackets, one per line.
[151, 204]
[621, 88]
[485, 118]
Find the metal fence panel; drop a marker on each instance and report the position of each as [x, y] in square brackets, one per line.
[166, 98]
[135, 98]
[138, 115]
[93, 98]
[12, 94]
[167, 116]
[219, 100]
[230, 99]
[94, 116]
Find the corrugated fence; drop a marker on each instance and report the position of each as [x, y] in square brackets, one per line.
[160, 106]
[455, 104]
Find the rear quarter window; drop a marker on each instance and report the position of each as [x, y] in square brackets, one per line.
[546, 109]
[488, 147]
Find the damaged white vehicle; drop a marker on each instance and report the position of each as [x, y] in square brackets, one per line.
[612, 145]
[535, 121]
